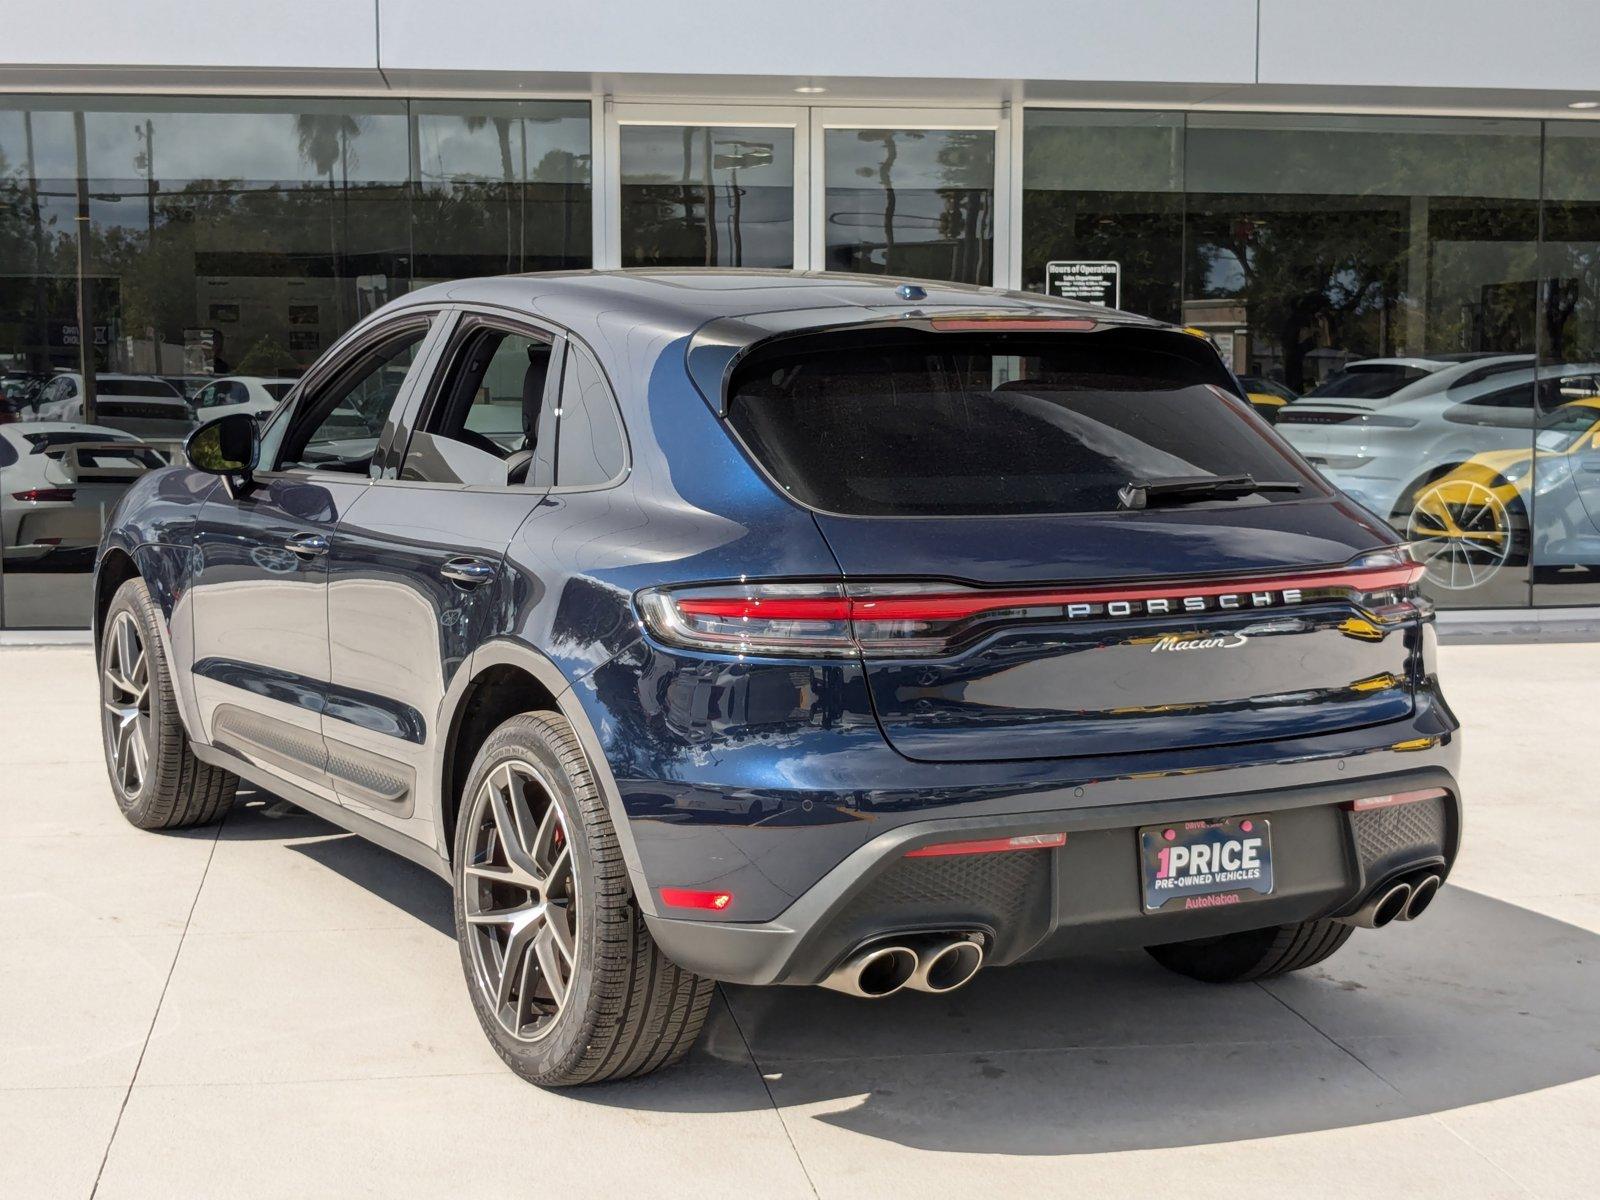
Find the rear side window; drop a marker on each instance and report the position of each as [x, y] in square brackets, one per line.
[590, 447]
[989, 425]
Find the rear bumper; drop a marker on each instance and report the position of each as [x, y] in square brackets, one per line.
[1084, 895]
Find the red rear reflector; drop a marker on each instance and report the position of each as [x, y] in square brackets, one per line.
[1028, 841]
[45, 494]
[675, 897]
[1369, 802]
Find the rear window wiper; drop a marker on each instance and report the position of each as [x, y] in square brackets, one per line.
[1181, 489]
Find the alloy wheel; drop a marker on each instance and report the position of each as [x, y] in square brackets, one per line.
[1461, 532]
[520, 899]
[125, 699]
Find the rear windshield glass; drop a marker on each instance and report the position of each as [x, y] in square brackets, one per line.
[1367, 383]
[136, 387]
[277, 390]
[988, 425]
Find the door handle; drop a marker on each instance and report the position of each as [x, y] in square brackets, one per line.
[307, 545]
[468, 572]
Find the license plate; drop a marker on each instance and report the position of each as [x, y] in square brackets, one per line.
[1205, 864]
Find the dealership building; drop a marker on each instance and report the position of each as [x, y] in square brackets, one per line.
[210, 194]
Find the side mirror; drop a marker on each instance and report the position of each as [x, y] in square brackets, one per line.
[230, 447]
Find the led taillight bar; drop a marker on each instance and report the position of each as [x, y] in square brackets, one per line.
[1367, 803]
[1028, 841]
[952, 606]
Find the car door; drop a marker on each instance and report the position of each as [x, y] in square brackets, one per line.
[417, 564]
[259, 596]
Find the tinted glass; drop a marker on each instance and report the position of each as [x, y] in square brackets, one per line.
[499, 187]
[137, 387]
[973, 426]
[244, 236]
[487, 409]
[1316, 243]
[916, 202]
[705, 196]
[1369, 383]
[1105, 187]
[337, 429]
[591, 445]
[1561, 491]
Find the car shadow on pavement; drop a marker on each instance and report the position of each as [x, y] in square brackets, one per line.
[1480, 1000]
[260, 816]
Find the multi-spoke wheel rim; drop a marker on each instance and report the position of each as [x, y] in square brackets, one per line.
[1462, 533]
[519, 897]
[125, 701]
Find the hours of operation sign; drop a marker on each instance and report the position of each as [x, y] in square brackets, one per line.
[1091, 282]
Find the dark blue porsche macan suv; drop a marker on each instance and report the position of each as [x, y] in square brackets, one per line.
[786, 629]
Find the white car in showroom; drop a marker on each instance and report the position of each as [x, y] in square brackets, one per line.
[241, 393]
[1383, 427]
[143, 405]
[58, 481]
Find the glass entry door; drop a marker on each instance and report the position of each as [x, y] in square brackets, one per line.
[922, 193]
[912, 192]
[710, 188]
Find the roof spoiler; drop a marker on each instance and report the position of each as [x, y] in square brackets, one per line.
[718, 347]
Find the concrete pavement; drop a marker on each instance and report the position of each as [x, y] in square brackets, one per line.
[275, 1008]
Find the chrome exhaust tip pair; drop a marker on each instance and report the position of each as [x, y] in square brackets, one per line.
[936, 965]
[1402, 901]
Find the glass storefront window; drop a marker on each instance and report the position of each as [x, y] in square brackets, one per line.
[916, 202]
[1560, 481]
[707, 196]
[1371, 280]
[228, 243]
[1382, 270]
[499, 188]
[1106, 188]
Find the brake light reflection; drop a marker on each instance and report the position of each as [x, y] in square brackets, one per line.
[1393, 798]
[1028, 841]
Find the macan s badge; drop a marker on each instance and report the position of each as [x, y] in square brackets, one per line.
[1179, 641]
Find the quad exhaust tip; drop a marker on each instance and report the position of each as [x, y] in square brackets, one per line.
[945, 966]
[1382, 909]
[1422, 893]
[874, 973]
[937, 964]
[1405, 900]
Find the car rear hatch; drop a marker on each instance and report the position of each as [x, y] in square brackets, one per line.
[1011, 601]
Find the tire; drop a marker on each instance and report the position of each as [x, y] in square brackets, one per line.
[1255, 953]
[157, 780]
[620, 1007]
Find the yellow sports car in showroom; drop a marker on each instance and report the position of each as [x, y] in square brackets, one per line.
[1267, 395]
[1469, 523]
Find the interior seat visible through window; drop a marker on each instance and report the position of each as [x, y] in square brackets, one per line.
[485, 423]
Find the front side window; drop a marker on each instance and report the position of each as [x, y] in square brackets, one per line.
[959, 425]
[337, 427]
[487, 412]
